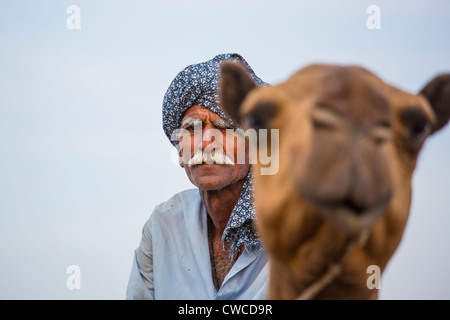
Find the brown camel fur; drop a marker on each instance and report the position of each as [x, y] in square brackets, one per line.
[348, 146]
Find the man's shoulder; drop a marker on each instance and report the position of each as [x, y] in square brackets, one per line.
[178, 203]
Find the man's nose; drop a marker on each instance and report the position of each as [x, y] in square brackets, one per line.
[210, 135]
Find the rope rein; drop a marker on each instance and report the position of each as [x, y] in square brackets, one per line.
[333, 271]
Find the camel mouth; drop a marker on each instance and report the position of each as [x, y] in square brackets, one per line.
[349, 215]
[354, 207]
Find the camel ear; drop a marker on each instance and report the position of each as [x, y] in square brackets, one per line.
[437, 92]
[235, 84]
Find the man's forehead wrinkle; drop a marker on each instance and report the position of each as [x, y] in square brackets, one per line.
[191, 119]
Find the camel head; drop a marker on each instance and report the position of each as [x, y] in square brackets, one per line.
[347, 149]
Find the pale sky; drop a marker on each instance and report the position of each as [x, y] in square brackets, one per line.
[84, 159]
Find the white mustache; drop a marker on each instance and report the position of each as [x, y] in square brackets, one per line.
[210, 158]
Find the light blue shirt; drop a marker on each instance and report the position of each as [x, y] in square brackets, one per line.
[173, 262]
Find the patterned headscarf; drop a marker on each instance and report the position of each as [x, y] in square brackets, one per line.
[199, 84]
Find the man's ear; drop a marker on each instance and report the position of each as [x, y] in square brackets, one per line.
[235, 84]
[180, 155]
[437, 92]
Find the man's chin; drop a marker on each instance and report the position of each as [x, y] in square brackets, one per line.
[213, 167]
[206, 183]
[211, 176]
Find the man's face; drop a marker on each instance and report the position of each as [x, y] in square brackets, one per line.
[205, 133]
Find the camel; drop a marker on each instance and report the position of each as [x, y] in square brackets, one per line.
[348, 147]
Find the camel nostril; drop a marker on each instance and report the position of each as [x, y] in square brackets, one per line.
[353, 206]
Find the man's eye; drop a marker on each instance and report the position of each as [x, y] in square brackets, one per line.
[190, 127]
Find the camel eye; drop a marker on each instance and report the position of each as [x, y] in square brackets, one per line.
[381, 133]
[325, 118]
[256, 121]
[416, 123]
[261, 115]
[416, 127]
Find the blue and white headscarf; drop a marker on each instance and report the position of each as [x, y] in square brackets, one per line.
[198, 84]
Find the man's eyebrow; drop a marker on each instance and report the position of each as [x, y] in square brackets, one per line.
[221, 124]
[190, 122]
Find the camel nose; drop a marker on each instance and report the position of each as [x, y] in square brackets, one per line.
[369, 180]
[347, 177]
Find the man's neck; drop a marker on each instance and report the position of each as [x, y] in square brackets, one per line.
[220, 203]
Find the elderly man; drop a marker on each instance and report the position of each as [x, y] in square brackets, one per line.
[201, 243]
